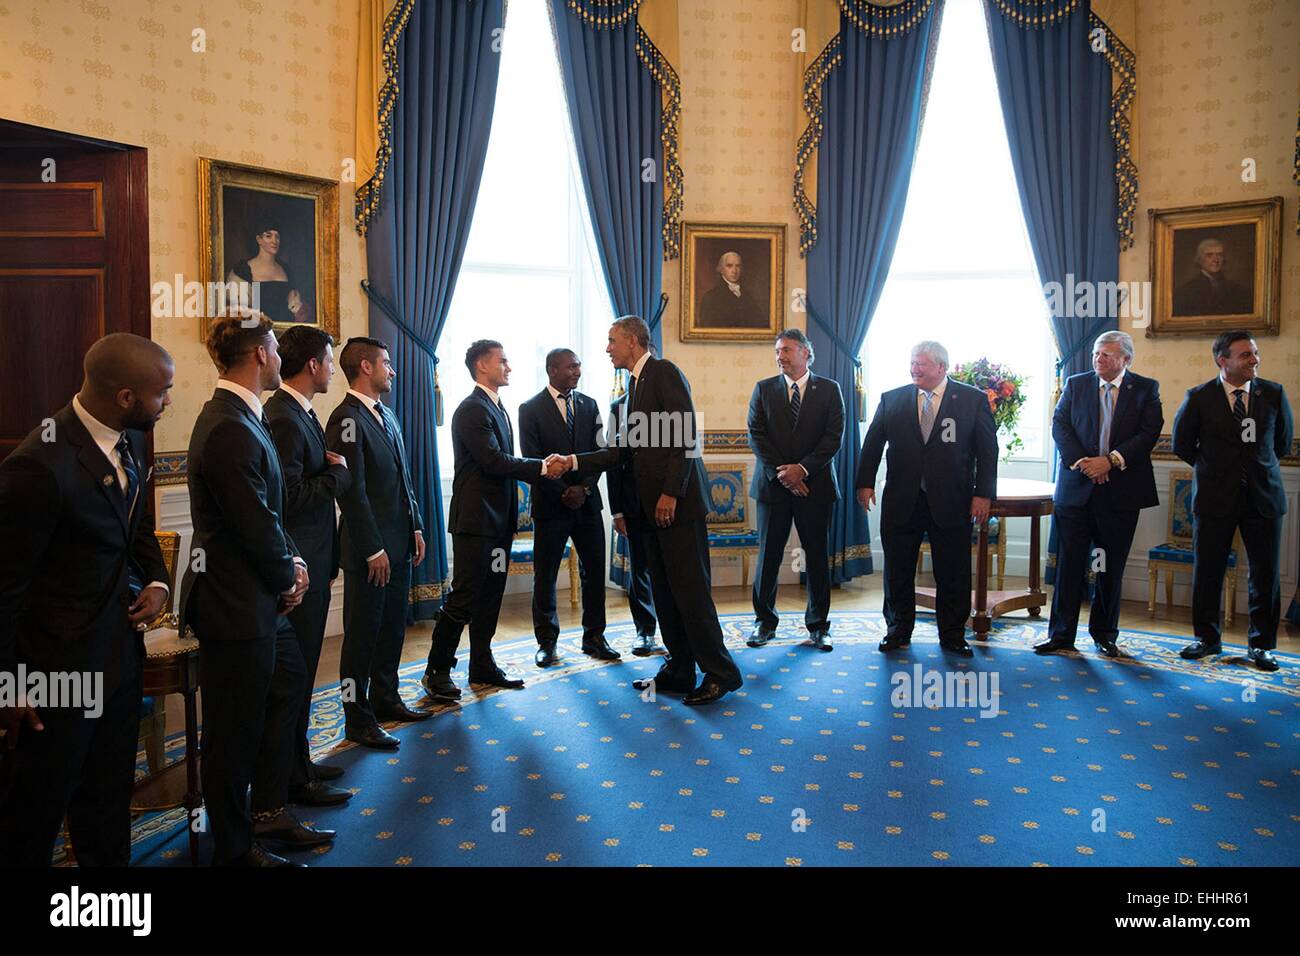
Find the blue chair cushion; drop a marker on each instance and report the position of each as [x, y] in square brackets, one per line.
[1176, 554]
[147, 707]
[743, 538]
[521, 550]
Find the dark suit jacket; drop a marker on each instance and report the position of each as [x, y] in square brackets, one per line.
[1200, 296]
[379, 508]
[66, 542]
[813, 443]
[1208, 437]
[720, 308]
[484, 499]
[954, 471]
[237, 509]
[1076, 429]
[543, 430]
[311, 486]
[654, 436]
[620, 480]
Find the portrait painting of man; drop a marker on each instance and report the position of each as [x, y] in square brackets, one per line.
[732, 277]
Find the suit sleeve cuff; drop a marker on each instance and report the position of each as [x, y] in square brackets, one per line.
[1075, 466]
[158, 584]
[375, 555]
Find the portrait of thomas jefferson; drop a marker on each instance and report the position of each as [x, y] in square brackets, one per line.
[729, 304]
[1211, 290]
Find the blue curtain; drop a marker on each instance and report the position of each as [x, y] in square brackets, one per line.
[615, 112]
[873, 103]
[1056, 103]
[448, 79]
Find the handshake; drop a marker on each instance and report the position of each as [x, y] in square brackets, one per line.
[555, 465]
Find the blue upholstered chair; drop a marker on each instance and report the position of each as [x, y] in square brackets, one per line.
[521, 549]
[997, 550]
[728, 517]
[1176, 554]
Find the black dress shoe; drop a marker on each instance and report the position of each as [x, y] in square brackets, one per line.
[1108, 648]
[372, 736]
[1052, 645]
[958, 647]
[666, 681]
[291, 834]
[261, 856]
[709, 692]
[820, 639]
[318, 793]
[1262, 658]
[326, 771]
[545, 655]
[494, 678]
[760, 635]
[894, 642]
[439, 686]
[401, 713]
[645, 645]
[1198, 649]
[596, 646]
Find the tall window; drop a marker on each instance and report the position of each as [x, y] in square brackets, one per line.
[529, 278]
[963, 272]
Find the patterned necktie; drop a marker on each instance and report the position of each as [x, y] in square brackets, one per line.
[927, 416]
[568, 413]
[1107, 415]
[631, 390]
[795, 405]
[1239, 413]
[134, 580]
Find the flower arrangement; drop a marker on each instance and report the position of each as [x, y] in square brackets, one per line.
[1005, 394]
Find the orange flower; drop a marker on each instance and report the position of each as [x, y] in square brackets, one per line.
[993, 399]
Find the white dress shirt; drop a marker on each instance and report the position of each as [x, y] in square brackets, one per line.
[254, 402]
[937, 397]
[1228, 389]
[106, 439]
[302, 399]
[803, 396]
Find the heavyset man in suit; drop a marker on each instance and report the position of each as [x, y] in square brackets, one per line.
[1233, 430]
[661, 440]
[560, 417]
[246, 575]
[314, 477]
[1105, 426]
[620, 481]
[381, 538]
[81, 575]
[941, 475]
[796, 425]
[483, 517]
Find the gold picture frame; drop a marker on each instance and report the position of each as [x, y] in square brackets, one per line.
[238, 206]
[1216, 267]
[711, 310]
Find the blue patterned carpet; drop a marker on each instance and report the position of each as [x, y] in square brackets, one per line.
[1152, 761]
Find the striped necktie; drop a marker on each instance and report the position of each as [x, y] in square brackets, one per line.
[1239, 413]
[134, 579]
[568, 413]
[795, 404]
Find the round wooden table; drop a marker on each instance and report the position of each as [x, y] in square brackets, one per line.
[1016, 498]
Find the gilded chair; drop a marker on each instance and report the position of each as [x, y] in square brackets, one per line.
[1176, 554]
[727, 492]
[521, 548]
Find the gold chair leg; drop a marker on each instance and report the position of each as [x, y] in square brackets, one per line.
[573, 578]
[1153, 578]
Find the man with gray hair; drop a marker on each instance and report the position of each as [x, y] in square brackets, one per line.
[726, 305]
[941, 476]
[1210, 292]
[1104, 426]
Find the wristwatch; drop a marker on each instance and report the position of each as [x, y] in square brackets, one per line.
[1114, 459]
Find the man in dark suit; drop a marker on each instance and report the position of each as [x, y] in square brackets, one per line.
[483, 517]
[660, 436]
[1105, 426]
[81, 575]
[620, 481]
[1210, 292]
[381, 538]
[796, 425]
[941, 475]
[314, 477]
[1233, 430]
[727, 305]
[560, 417]
[244, 577]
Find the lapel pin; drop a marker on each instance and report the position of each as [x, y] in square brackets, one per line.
[108, 480]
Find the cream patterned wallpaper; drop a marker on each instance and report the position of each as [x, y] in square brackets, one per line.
[274, 89]
[1217, 83]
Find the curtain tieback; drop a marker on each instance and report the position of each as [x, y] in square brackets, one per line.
[859, 389]
[386, 307]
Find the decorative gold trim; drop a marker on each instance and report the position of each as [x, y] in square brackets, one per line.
[590, 12]
[1036, 14]
[366, 200]
[1123, 65]
[671, 110]
[813, 79]
[886, 21]
[434, 591]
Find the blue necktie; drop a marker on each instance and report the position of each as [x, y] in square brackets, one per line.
[134, 581]
[568, 413]
[794, 402]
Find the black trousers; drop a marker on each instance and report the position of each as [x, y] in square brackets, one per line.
[1080, 529]
[640, 595]
[374, 629]
[681, 579]
[1211, 542]
[308, 621]
[480, 568]
[950, 554]
[78, 766]
[251, 695]
[813, 521]
[549, 538]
